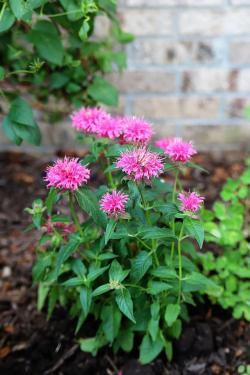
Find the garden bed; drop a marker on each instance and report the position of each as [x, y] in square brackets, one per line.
[212, 343]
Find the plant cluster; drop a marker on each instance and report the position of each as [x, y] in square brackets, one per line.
[227, 226]
[49, 49]
[126, 251]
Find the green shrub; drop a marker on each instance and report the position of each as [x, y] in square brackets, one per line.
[227, 226]
[47, 50]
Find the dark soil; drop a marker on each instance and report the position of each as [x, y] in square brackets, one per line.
[212, 343]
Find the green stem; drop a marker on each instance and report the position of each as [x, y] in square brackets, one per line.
[180, 262]
[73, 213]
[154, 243]
[109, 175]
[173, 200]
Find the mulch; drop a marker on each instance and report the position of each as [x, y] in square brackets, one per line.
[211, 343]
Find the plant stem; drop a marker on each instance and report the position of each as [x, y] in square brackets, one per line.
[73, 213]
[154, 243]
[180, 262]
[109, 175]
[173, 200]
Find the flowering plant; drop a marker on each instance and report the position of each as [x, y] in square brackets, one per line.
[125, 252]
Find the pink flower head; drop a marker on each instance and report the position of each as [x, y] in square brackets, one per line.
[190, 201]
[178, 150]
[110, 128]
[136, 130]
[87, 120]
[140, 164]
[67, 174]
[163, 143]
[114, 203]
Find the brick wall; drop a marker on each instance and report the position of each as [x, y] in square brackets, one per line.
[189, 68]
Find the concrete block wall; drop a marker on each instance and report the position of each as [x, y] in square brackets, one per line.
[189, 68]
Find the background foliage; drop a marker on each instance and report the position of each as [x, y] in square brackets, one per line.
[48, 49]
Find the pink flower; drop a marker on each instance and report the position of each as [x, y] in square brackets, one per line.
[190, 201]
[163, 143]
[67, 174]
[178, 150]
[87, 120]
[114, 203]
[110, 128]
[66, 228]
[140, 164]
[136, 130]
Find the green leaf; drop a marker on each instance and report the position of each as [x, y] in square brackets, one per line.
[7, 20]
[150, 349]
[58, 80]
[140, 265]
[78, 267]
[109, 230]
[74, 281]
[83, 32]
[46, 39]
[95, 272]
[195, 229]
[101, 290]
[156, 287]
[102, 91]
[85, 299]
[88, 202]
[18, 7]
[126, 339]
[163, 272]
[9, 131]
[40, 266]
[111, 318]
[155, 233]
[43, 290]
[125, 303]
[2, 73]
[153, 326]
[198, 282]
[171, 314]
[28, 133]
[116, 273]
[65, 252]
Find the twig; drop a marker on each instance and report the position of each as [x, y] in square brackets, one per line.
[61, 361]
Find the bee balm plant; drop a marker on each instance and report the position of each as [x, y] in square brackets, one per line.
[125, 251]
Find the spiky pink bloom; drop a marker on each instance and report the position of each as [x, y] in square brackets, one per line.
[110, 128]
[178, 150]
[87, 120]
[190, 201]
[163, 143]
[136, 130]
[67, 174]
[140, 164]
[114, 203]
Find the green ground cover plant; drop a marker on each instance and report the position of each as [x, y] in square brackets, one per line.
[227, 226]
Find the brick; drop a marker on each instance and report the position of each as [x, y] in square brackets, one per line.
[215, 22]
[208, 80]
[236, 107]
[160, 3]
[159, 108]
[147, 21]
[161, 52]
[144, 81]
[240, 2]
[217, 136]
[244, 80]
[240, 52]
[102, 26]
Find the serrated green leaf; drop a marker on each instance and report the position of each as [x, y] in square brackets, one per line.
[171, 314]
[65, 252]
[89, 203]
[85, 299]
[156, 287]
[195, 229]
[111, 320]
[101, 290]
[109, 230]
[125, 303]
[140, 265]
[150, 349]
